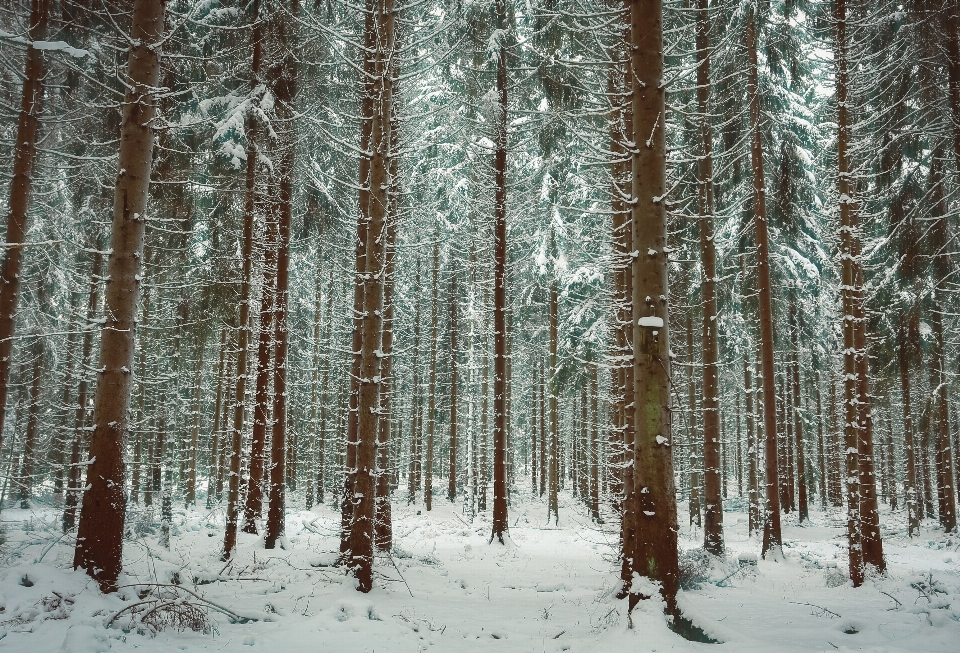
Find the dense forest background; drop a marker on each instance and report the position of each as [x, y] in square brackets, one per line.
[336, 189]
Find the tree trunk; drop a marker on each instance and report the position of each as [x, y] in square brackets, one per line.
[432, 389]
[223, 461]
[622, 137]
[100, 534]
[72, 498]
[541, 379]
[753, 490]
[384, 516]
[534, 411]
[848, 223]
[713, 512]
[772, 538]
[554, 470]
[367, 108]
[836, 455]
[190, 494]
[284, 77]
[891, 467]
[21, 184]
[499, 525]
[244, 326]
[254, 503]
[802, 509]
[33, 425]
[652, 549]
[696, 482]
[452, 484]
[416, 435]
[869, 510]
[364, 486]
[594, 454]
[939, 381]
[484, 419]
[213, 462]
[63, 435]
[821, 449]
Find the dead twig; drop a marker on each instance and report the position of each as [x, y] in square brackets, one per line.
[899, 605]
[818, 607]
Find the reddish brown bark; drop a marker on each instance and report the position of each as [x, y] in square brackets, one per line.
[713, 509]
[364, 487]
[432, 388]
[213, 462]
[772, 538]
[100, 534]
[251, 197]
[802, 508]
[939, 380]
[454, 310]
[652, 547]
[284, 76]
[555, 475]
[21, 184]
[33, 424]
[253, 508]
[499, 525]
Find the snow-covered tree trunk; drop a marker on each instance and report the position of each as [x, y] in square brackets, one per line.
[21, 185]
[100, 534]
[250, 202]
[500, 389]
[653, 549]
[772, 539]
[713, 509]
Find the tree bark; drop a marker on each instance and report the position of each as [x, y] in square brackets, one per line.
[939, 381]
[416, 435]
[713, 512]
[554, 469]
[753, 490]
[63, 436]
[364, 487]
[72, 498]
[432, 389]
[284, 77]
[254, 502]
[384, 515]
[244, 327]
[594, 454]
[653, 548]
[367, 108]
[190, 493]
[452, 481]
[848, 225]
[100, 534]
[213, 461]
[772, 538]
[696, 482]
[21, 184]
[499, 524]
[33, 425]
[802, 508]
[534, 411]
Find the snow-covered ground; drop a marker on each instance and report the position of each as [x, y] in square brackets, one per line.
[447, 589]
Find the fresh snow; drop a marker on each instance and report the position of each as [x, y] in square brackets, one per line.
[549, 590]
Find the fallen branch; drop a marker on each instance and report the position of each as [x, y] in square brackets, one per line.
[899, 605]
[818, 607]
[234, 617]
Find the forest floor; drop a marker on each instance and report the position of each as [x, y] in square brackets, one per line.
[446, 589]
